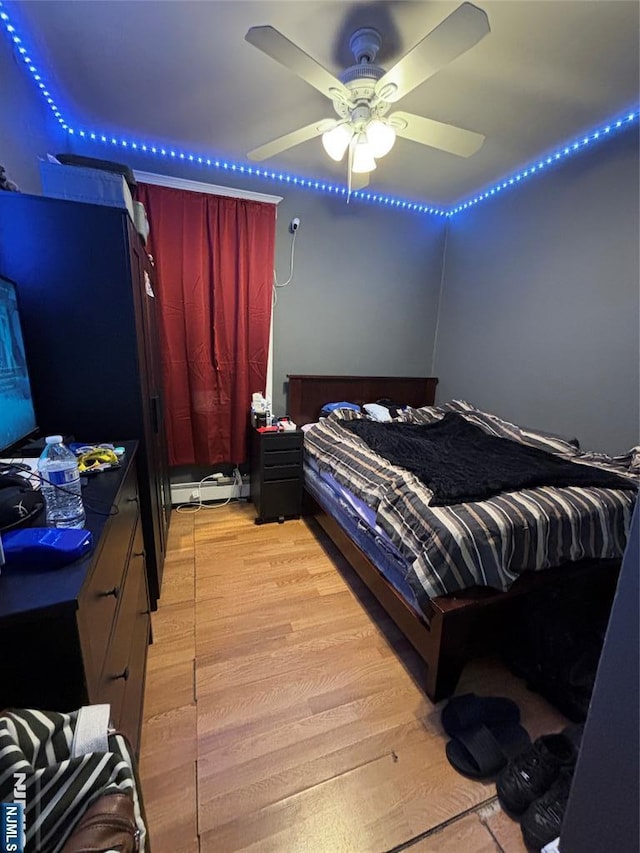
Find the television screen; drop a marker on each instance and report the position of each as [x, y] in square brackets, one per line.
[17, 418]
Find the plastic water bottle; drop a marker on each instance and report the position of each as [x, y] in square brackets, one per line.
[60, 484]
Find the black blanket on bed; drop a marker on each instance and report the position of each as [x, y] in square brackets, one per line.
[460, 462]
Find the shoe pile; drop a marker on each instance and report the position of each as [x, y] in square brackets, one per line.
[533, 780]
[534, 787]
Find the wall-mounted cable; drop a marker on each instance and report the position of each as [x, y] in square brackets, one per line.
[294, 226]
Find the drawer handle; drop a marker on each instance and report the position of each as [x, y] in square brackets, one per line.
[138, 553]
[134, 499]
[124, 674]
[115, 592]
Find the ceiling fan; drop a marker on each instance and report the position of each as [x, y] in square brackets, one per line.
[364, 93]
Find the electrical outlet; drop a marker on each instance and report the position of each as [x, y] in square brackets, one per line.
[194, 496]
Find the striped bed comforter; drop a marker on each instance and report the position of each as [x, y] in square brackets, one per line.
[489, 542]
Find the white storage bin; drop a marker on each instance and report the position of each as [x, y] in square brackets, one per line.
[78, 183]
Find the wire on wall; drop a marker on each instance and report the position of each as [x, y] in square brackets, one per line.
[294, 226]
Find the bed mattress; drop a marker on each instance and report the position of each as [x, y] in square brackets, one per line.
[358, 522]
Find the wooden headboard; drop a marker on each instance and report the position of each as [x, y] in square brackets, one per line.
[308, 394]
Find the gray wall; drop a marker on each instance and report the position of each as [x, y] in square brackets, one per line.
[366, 280]
[364, 295]
[28, 130]
[539, 317]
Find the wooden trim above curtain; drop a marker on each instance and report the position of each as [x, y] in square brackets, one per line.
[202, 187]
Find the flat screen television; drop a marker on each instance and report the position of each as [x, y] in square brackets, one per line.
[17, 416]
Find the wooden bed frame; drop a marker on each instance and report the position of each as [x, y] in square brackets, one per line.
[443, 635]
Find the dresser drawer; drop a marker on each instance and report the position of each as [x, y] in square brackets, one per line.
[131, 714]
[99, 600]
[110, 691]
[117, 670]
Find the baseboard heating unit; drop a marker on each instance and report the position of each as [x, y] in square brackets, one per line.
[211, 490]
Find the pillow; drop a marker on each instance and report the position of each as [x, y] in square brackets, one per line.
[551, 436]
[330, 407]
[541, 439]
[342, 414]
[396, 410]
[548, 441]
[377, 412]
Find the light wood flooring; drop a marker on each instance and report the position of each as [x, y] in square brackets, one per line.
[283, 710]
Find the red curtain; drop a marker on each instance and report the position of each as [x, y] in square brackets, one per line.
[214, 260]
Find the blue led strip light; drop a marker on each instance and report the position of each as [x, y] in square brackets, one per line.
[169, 153]
[562, 153]
[163, 152]
[28, 61]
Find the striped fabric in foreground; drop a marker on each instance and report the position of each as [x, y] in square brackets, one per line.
[38, 767]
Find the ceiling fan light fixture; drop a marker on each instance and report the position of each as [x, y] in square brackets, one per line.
[336, 141]
[363, 159]
[381, 137]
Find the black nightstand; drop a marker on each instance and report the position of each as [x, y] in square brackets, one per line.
[276, 474]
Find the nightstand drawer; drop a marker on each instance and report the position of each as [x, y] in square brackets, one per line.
[281, 441]
[282, 457]
[282, 472]
[281, 499]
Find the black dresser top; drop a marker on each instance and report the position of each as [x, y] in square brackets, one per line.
[30, 590]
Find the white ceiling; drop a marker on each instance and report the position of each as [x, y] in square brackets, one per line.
[181, 73]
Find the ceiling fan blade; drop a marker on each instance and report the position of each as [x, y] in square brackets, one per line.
[296, 137]
[455, 35]
[359, 180]
[278, 47]
[446, 137]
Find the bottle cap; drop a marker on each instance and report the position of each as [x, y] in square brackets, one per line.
[53, 439]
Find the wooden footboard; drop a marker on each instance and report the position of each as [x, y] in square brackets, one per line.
[445, 636]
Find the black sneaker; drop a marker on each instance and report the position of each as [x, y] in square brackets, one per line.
[530, 774]
[542, 821]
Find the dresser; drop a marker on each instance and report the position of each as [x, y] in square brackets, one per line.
[79, 635]
[89, 312]
[276, 474]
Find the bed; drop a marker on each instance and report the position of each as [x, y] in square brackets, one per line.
[443, 628]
